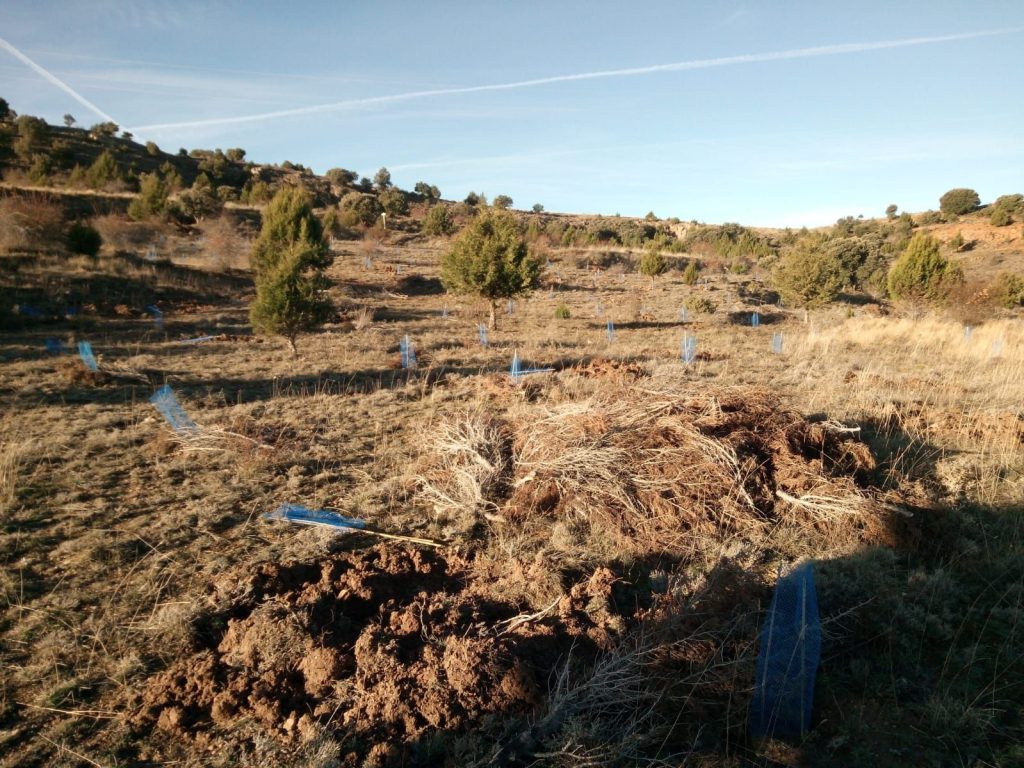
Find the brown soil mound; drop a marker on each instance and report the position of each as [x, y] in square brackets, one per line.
[388, 644]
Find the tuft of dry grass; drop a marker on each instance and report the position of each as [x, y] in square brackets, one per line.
[11, 452]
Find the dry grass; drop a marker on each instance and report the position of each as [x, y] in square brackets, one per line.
[30, 223]
[222, 247]
[11, 451]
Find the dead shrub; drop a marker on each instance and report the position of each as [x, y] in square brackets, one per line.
[122, 234]
[30, 223]
[222, 245]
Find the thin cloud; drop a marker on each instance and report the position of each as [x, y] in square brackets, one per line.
[679, 66]
[52, 78]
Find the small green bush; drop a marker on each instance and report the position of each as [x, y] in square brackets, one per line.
[1008, 290]
[652, 263]
[359, 208]
[83, 239]
[1001, 217]
[393, 201]
[922, 272]
[808, 278]
[692, 272]
[502, 202]
[152, 199]
[562, 312]
[700, 305]
[438, 221]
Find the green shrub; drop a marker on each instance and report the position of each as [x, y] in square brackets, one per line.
[82, 238]
[152, 198]
[502, 202]
[562, 312]
[490, 259]
[692, 272]
[382, 179]
[1008, 290]
[700, 305]
[956, 242]
[393, 202]
[152, 149]
[809, 278]
[922, 272]
[438, 221]
[537, 208]
[103, 171]
[959, 201]
[359, 208]
[652, 263]
[1001, 217]
[890, 211]
[929, 217]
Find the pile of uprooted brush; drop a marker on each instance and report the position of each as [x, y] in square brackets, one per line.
[655, 469]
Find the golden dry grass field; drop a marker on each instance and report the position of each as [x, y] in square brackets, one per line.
[602, 540]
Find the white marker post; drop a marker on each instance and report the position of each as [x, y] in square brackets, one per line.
[384, 220]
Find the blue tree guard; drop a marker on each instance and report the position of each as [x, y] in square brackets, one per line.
[197, 340]
[88, 358]
[610, 329]
[408, 353]
[516, 370]
[165, 402]
[688, 348]
[777, 343]
[684, 315]
[55, 346]
[26, 311]
[968, 330]
[158, 316]
[790, 651]
[598, 310]
[367, 263]
[444, 311]
[755, 319]
[298, 514]
[481, 331]
[510, 308]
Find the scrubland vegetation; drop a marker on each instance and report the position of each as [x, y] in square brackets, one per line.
[596, 545]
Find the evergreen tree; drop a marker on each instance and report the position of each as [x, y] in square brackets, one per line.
[288, 262]
[490, 259]
[922, 272]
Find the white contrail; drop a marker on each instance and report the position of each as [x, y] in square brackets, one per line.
[55, 80]
[798, 53]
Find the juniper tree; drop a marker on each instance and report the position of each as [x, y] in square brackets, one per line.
[291, 294]
[288, 260]
[490, 259]
[652, 263]
[922, 272]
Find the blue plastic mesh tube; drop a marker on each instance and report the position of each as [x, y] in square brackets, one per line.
[787, 664]
[298, 514]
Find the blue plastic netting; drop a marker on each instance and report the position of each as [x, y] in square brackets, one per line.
[165, 402]
[787, 663]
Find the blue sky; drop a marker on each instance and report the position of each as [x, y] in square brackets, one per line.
[789, 139]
